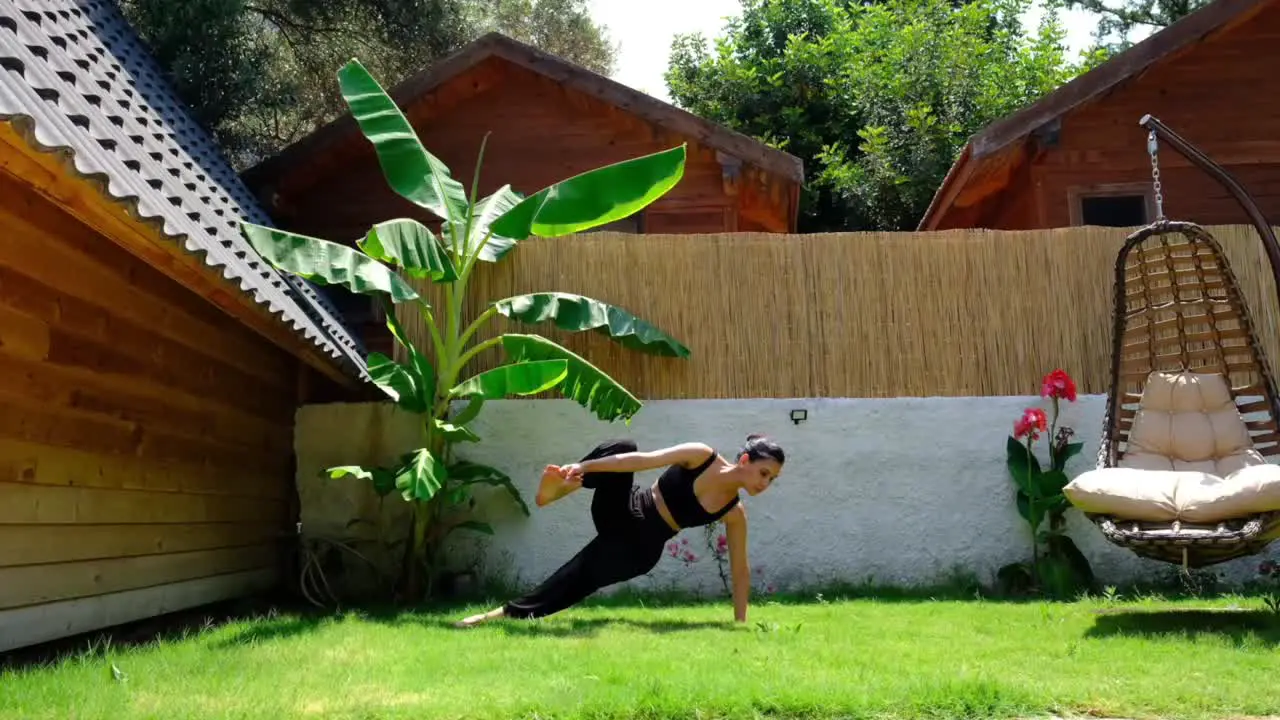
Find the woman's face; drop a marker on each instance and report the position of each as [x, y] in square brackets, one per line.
[759, 474]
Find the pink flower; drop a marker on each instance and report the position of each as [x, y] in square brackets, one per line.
[1031, 424]
[771, 589]
[1058, 385]
[722, 544]
[690, 557]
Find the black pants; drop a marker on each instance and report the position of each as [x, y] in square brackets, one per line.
[630, 537]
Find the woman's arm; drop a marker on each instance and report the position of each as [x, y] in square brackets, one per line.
[686, 454]
[735, 525]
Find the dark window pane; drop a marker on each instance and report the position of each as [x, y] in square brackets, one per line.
[1114, 210]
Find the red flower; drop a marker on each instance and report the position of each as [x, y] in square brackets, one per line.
[1059, 385]
[722, 543]
[1031, 424]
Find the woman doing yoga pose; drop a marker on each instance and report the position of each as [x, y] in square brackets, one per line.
[633, 524]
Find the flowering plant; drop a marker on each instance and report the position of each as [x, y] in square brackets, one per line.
[1039, 495]
[718, 549]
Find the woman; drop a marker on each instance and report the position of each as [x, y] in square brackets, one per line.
[633, 524]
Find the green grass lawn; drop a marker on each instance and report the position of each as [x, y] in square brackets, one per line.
[857, 658]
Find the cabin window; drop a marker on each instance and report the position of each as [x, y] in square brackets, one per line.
[1112, 206]
[1114, 210]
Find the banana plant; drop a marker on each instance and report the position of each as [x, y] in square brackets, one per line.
[431, 381]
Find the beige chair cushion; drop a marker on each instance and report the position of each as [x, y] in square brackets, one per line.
[1246, 492]
[1189, 458]
[1187, 421]
[1126, 493]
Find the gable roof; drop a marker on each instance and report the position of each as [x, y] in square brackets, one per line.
[568, 74]
[77, 82]
[1004, 135]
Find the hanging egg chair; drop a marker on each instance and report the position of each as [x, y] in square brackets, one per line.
[1183, 473]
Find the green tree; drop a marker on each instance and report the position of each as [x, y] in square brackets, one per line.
[258, 73]
[1117, 21]
[877, 99]
[561, 27]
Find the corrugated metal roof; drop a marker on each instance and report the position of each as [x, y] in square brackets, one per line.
[77, 81]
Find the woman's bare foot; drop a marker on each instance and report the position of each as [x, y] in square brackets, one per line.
[554, 486]
[475, 620]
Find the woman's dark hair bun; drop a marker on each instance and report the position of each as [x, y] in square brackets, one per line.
[760, 447]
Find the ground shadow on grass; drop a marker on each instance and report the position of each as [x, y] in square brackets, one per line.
[266, 630]
[278, 628]
[566, 626]
[170, 627]
[1240, 626]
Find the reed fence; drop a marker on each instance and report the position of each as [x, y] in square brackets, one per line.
[952, 313]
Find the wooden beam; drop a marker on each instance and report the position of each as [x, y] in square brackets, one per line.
[986, 176]
[1135, 158]
[45, 173]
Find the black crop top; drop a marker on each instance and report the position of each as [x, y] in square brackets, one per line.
[676, 486]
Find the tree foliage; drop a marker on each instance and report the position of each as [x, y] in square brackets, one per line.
[1120, 19]
[877, 99]
[258, 74]
[561, 27]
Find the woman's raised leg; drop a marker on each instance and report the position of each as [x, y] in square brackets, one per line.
[554, 486]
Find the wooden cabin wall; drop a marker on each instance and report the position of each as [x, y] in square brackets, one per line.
[145, 436]
[1219, 94]
[541, 132]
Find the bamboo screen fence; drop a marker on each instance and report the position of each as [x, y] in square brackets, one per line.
[953, 313]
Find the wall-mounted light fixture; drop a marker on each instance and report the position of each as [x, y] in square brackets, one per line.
[799, 415]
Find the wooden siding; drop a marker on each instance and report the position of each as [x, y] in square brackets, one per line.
[1216, 93]
[539, 132]
[145, 435]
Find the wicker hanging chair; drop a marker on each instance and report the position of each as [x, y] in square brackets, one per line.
[1179, 309]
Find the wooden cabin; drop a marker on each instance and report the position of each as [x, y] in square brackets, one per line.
[547, 119]
[1078, 156]
[150, 362]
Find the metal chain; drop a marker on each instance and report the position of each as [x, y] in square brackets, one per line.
[1155, 174]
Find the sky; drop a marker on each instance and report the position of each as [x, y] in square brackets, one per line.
[644, 29]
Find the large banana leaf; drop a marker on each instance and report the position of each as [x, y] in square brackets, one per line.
[383, 479]
[409, 244]
[409, 169]
[585, 384]
[594, 198]
[576, 313]
[326, 263]
[469, 473]
[454, 433]
[402, 384]
[528, 378]
[417, 361]
[488, 210]
[421, 476]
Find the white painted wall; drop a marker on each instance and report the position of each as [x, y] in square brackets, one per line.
[897, 491]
